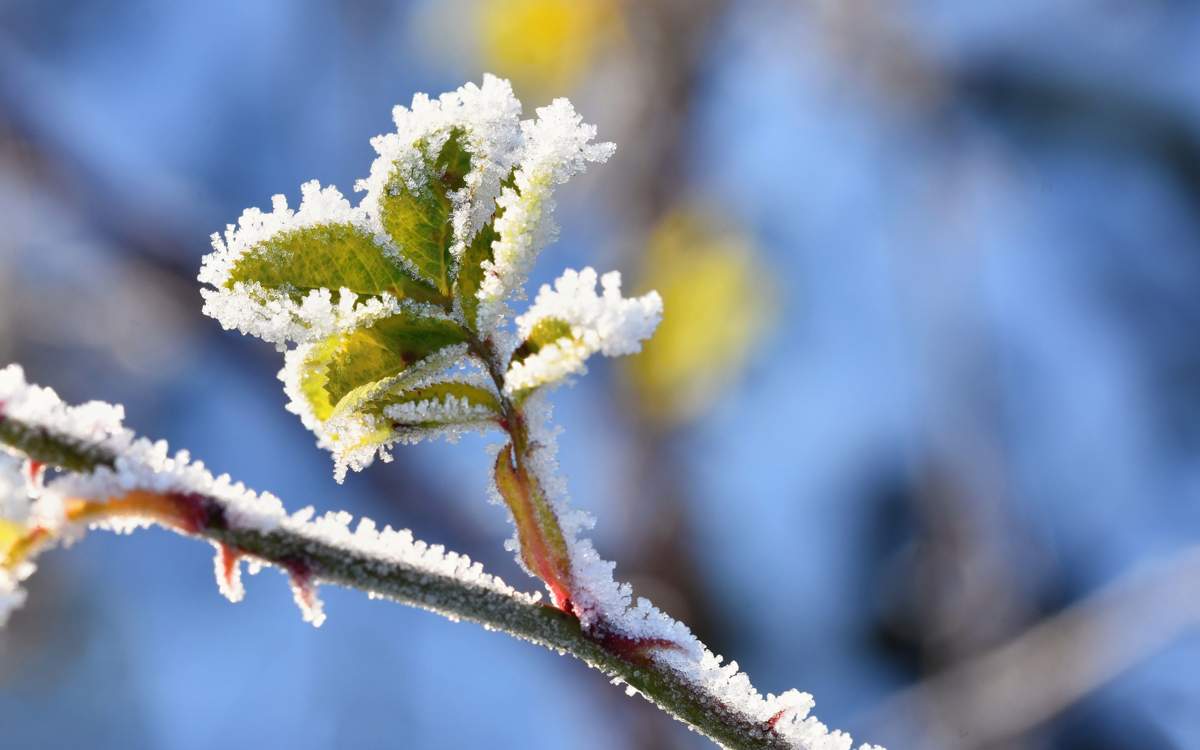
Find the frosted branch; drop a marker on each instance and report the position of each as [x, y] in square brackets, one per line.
[113, 480]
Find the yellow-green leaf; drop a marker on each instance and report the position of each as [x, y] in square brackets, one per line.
[545, 332]
[345, 369]
[10, 533]
[419, 221]
[330, 256]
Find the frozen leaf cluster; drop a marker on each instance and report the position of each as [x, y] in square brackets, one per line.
[395, 322]
[390, 310]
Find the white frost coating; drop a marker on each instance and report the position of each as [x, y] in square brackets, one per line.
[145, 466]
[229, 579]
[489, 118]
[140, 464]
[545, 152]
[273, 315]
[557, 146]
[449, 410]
[23, 503]
[91, 422]
[317, 206]
[607, 323]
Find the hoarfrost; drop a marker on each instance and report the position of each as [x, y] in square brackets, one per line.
[515, 167]
[227, 567]
[450, 410]
[534, 156]
[557, 146]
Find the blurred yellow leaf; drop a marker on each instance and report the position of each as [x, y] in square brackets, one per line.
[9, 534]
[545, 45]
[716, 302]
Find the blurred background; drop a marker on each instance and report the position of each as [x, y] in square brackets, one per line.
[920, 433]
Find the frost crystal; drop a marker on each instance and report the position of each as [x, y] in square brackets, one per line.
[92, 422]
[450, 410]
[607, 323]
[557, 146]
[228, 570]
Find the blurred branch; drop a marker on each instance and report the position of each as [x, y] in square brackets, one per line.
[1013, 688]
[1056, 105]
[875, 45]
[965, 600]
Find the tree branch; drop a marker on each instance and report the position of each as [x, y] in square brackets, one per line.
[1013, 688]
[320, 560]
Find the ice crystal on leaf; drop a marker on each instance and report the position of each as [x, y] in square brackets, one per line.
[471, 138]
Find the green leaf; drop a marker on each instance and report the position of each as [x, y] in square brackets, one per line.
[347, 369]
[545, 332]
[330, 256]
[419, 222]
